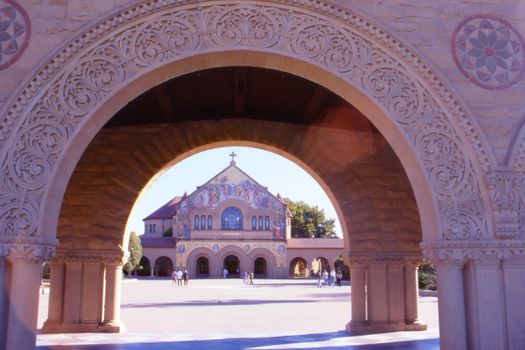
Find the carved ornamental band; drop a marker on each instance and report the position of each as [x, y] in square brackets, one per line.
[74, 84]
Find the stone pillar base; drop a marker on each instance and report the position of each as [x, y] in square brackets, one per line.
[51, 328]
[377, 327]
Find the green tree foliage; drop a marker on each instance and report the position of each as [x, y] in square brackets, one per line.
[310, 221]
[340, 266]
[427, 276]
[135, 252]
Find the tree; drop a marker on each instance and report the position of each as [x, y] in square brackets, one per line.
[135, 252]
[310, 221]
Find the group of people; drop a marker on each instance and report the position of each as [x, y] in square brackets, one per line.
[330, 279]
[247, 278]
[179, 277]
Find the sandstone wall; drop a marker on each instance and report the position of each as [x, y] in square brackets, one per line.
[427, 26]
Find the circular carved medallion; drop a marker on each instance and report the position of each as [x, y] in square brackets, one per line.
[15, 31]
[489, 51]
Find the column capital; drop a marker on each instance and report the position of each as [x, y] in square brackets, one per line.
[87, 256]
[20, 253]
[457, 253]
[385, 260]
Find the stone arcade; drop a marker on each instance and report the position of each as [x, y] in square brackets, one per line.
[231, 222]
[417, 103]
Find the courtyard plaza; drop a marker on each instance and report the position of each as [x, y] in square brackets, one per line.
[224, 314]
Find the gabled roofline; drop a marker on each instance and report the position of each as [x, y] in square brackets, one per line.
[232, 164]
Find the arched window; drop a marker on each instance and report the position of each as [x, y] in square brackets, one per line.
[260, 223]
[267, 223]
[231, 219]
[254, 223]
[196, 222]
[203, 222]
[210, 222]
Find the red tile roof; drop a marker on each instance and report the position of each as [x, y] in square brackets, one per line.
[313, 243]
[166, 211]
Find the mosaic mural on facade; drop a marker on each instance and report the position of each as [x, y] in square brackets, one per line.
[230, 184]
[15, 31]
[489, 51]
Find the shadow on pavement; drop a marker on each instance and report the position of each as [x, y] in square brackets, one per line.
[318, 341]
[233, 302]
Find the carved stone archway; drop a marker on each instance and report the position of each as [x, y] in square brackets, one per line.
[50, 121]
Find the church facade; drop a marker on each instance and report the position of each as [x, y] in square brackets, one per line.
[233, 224]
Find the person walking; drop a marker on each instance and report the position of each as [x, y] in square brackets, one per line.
[245, 277]
[186, 277]
[179, 277]
[174, 278]
[338, 278]
[250, 278]
[225, 272]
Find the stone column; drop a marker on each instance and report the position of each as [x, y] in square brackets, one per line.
[56, 295]
[112, 321]
[396, 293]
[358, 296]
[377, 294]
[486, 304]
[91, 307]
[72, 295]
[4, 301]
[412, 297]
[514, 287]
[452, 323]
[26, 272]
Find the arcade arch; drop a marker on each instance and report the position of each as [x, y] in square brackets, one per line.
[298, 267]
[202, 267]
[436, 140]
[163, 267]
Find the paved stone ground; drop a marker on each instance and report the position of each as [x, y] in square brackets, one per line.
[225, 314]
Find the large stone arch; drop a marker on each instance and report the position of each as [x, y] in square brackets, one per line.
[82, 86]
[51, 120]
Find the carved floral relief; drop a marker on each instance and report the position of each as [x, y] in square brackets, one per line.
[85, 73]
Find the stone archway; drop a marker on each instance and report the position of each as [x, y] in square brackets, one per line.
[232, 264]
[163, 267]
[202, 268]
[298, 267]
[53, 118]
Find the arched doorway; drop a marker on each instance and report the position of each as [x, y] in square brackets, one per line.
[203, 267]
[260, 267]
[163, 267]
[318, 265]
[231, 263]
[145, 267]
[298, 268]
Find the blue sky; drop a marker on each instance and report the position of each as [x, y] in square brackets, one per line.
[279, 174]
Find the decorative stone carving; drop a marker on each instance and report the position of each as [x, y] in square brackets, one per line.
[508, 202]
[489, 51]
[395, 260]
[27, 253]
[15, 32]
[106, 257]
[458, 253]
[71, 86]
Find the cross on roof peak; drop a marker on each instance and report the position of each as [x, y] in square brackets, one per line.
[233, 155]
